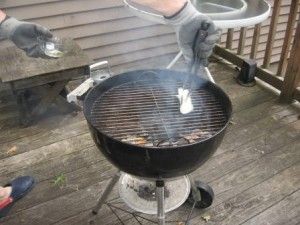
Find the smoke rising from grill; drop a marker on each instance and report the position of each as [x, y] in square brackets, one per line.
[144, 110]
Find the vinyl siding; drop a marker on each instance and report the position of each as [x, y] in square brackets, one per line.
[107, 31]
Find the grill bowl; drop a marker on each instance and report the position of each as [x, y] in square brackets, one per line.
[152, 162]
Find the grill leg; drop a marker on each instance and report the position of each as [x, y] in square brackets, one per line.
[106, 192]
[160, 196]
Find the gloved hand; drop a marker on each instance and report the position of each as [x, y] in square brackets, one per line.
[187, 22]
[25, 36]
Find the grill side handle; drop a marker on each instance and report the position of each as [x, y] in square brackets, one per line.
[99, 72]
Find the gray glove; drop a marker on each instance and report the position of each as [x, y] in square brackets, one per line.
[25, 36]
[187, 23]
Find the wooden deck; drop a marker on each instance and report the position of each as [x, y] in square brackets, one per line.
[255, 172]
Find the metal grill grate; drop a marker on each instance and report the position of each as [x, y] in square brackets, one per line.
[147, 114]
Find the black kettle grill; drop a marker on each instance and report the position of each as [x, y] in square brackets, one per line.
[135, 121]
[143, 104]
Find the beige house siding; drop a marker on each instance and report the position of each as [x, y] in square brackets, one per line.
[106, 30]
[103, 28]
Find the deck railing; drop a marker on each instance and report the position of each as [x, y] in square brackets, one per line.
[287, 77]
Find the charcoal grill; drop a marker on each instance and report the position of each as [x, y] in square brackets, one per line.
[135, 121]
[143, 110]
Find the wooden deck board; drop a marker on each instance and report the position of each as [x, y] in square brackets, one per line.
[42, 139]
[254, 172]
[254, 200]
[285, 212]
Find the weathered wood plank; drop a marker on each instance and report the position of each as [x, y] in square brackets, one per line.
[256, 110]
[41, 139]
[54, 210]
[285, 212]
[105, 217]
[282, 20]
[256, 172]
[241, 47]
[251, 124]
[248, 101]
[262, 74]
[269, 78]
[255, 130]
[292, 77]
[288, 38]
[229, 39]
[272, 33]
[234, 158]
[41, 79]
[77, 179]
[233, 90]
[14, 132]
[45, 153]
[255, 41]
[297, 94]
[7, 111]
[254, 200]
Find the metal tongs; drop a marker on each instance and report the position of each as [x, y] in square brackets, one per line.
[184, 93]
[197, 62]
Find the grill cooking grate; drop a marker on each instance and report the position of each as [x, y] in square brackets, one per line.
[147, 114]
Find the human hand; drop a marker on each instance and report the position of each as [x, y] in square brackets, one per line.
[165, 7]
[186, 35]
[25, 36]
[187, 24]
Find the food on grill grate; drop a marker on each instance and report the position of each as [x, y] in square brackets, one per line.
[146, 114]
[197, 135]
[146, 141]
[135, 140]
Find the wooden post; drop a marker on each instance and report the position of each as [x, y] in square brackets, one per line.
[292, 77]
[242, 41]
[272, 33]
[255, 42]
[229, 38]
[288, 38]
